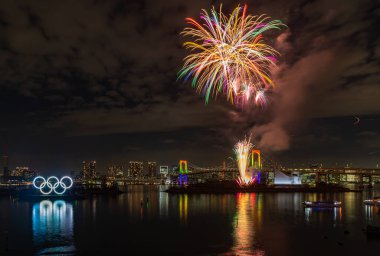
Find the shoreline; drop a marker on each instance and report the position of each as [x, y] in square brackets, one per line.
[232, 188]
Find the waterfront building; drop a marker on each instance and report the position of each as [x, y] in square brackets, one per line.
[115, 171]
[164, 170]
[29, 175]
[19, 170]
[293, 178]
[152, 169]
[135, 169]
[22, 172]
[88, 170]
[174, 170]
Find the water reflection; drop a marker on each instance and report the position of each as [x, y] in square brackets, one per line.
[370, 212]
[53, 227]
[323, 214]
[163, 204]
[183, 209]
[245, 222]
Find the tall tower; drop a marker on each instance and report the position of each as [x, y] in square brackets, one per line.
[93, 173]
[135, 170]
[183, 172]
[152, 169]
[88, 170]
[256, 161]
[5, 168]
[84, 172]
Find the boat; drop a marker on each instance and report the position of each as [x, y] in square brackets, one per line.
[373, 231]
[373, 201]
[322, 204]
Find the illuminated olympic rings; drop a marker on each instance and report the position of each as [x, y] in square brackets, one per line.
[47, 186]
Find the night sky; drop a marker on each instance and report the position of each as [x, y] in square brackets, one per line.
[83, 80]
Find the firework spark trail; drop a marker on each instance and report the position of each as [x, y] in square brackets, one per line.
[242, 151]
[228, 56]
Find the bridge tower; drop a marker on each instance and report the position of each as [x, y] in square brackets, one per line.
[256, 163]
[183, 171]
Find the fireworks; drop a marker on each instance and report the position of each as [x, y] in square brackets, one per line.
[229, 56]
[242, 151]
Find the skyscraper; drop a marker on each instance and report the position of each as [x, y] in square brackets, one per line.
[93, 173]
[164, 170]
[152, 169]
[135, 169]
[115, 171]
[88, 170]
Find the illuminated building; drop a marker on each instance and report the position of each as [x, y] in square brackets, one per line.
[280, 178]
[173, 170]
[152, 169]
[19, 171]
[24, 172]
[164, 170]
[115, 171]
[88, 170]
[135, 169]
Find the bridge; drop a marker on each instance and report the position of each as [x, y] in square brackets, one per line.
[269, 168]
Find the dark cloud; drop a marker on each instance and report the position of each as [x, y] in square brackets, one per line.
[76, 69]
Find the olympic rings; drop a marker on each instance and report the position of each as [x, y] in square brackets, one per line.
[52, 183]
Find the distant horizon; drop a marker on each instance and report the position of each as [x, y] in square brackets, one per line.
[101, 166]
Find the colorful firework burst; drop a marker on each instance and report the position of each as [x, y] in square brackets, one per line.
[229, 56]
[242, 151]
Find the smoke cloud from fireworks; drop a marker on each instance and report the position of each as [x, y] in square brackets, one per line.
[296, 81]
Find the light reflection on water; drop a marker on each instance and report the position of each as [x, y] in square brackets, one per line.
[323, 213]
[164, 205]
[154, 222]
[370, 212]
[53, 227]
[246, 221]
[183, 203]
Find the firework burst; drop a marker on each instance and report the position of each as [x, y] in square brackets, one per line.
[228, 56]
[242, 151]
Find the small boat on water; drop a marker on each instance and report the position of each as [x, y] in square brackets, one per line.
[322, 204]
[373, 201]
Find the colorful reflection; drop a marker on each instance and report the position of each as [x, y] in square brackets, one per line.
[323, 214]
[245, 224]
[53, 227]
[370, 211]
[183, 209]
